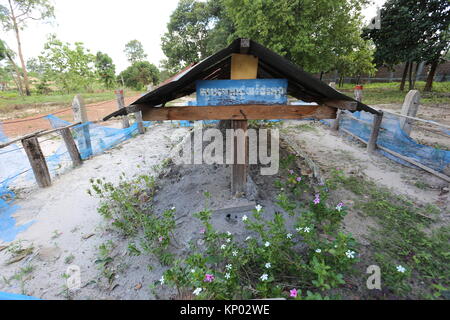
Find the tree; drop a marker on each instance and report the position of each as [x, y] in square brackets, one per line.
[195, 31]
[311, 33]
[15, 16]
[7, 53]
[140, 74]
[411, 32]
[105, 69]
[71, 67]
[135, 51]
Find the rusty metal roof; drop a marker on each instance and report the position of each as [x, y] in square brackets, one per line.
[301, 84]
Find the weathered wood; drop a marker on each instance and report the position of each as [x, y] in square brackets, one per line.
[80, 115]
[140, 124]
[33, 134]
[37, 161]
[239, 112]
[335, 124]
[409, 108]
[243, 66]
[372, 144]
[120, 105]
[240, 166]
[341, 104]
[71, 146]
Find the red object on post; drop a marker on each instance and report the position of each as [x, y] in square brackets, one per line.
[358, 92]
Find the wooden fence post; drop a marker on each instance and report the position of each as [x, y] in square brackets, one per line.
[80, 115]
[71, 146]
[37, 161]
[410, 108]
[140, 124]
[372, 143]
[335, 123]
[120, 105]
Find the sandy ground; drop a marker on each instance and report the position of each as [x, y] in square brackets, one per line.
[67, 223]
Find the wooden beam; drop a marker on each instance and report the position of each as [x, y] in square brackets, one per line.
[372, 144]
[239, 112]
[341, 104]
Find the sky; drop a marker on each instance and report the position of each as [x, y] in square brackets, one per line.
[107, 25]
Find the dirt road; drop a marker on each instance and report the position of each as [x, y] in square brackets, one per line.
[96, 111]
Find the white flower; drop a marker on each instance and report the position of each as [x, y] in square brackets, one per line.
[258, 208]
[264, 277]
[223, 247]
[299, 229]
[248, 238]
[401, 269]
[267, 244]
[227, 276]
[244, 218]
[318, 250]
[192, 270]
[197, 291]
[173, 208]
[307, 229]
[234, 253]
[289, 236]
[350, 254]
[161, 280]
[228, 240]
[228, 266]
[229, 233]
[268, 265]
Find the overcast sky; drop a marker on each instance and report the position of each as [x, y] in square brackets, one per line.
[107, 25]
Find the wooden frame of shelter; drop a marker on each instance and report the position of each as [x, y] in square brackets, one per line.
[244, 59]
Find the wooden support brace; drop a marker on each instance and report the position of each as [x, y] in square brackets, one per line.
[372, 143]
[37, 161]
[71, 147]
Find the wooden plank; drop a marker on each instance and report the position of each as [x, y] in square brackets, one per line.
[372, 144]
[37, 161]
[71, 147]
[243, 66]
[239, 112]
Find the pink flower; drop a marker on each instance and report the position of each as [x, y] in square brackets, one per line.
[209, 278]
[291, 171]
[299, 179]
[294, 293]
[161, 238]
[202, 230]
[317, 199]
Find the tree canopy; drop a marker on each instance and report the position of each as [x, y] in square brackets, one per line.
[105, 69]
[134, 51]
[140, 74]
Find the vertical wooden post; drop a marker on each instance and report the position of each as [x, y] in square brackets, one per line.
[243, 66]
[410, 108]
[71, 146]
[80, 115]
[121, 105]
[140, 124]
[335, 123]
[372, 143]
[37, 161]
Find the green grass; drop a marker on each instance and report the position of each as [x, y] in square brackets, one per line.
[389, 92]
[10, 100]
[401, 239]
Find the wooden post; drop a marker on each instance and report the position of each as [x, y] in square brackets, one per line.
[335, 123]
[243, 66]
[372, 143]
[71, 147]
[138, 116]
[37, 161]
[410, 108]
[120, 105]
[80, 115]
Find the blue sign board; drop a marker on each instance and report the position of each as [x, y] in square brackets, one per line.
[232, 92]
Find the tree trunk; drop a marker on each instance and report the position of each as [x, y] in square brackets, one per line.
[410, 75]
[415, 76]
[19, 49]
[405, 72]
[429, 84]
[16, 69]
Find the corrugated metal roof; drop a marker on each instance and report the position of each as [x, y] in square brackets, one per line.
[301, 84]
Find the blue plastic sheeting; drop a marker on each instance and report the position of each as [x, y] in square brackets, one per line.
[15, 165]
[392, 137]
[12, 296]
